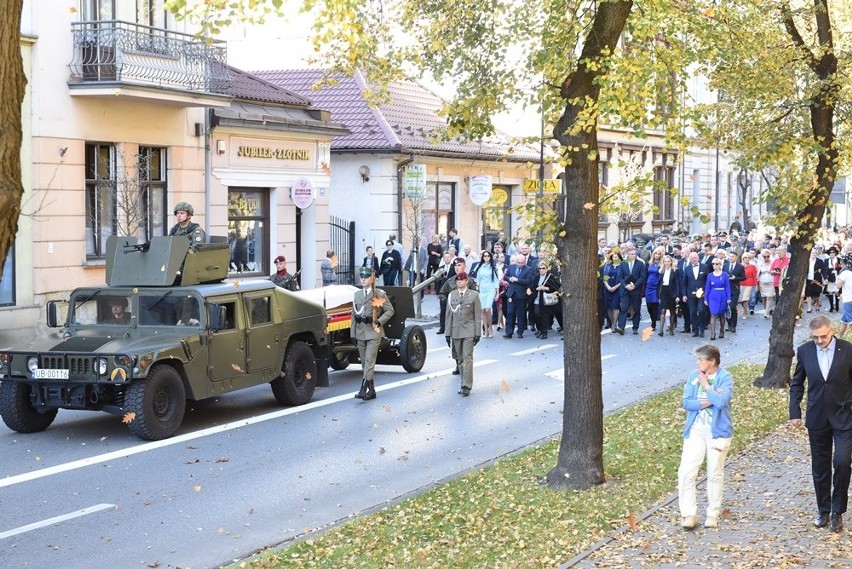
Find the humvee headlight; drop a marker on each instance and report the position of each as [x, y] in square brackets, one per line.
[32, 364]
[102, 366]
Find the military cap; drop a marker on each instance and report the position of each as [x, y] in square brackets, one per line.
[460, 260]
[462, 276]
[365, 272]
[184, 206]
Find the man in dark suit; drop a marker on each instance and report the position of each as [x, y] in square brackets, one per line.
[681, 255]
[520, 278]
[826, 364]
[694, 277]
[631, 275]
[736, 274]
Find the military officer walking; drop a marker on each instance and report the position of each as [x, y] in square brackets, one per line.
[371, 311]
[185, 226]
[463, 328]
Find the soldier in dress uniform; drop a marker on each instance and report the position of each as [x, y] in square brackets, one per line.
[185, 226]
[464, 327]
[371, 310]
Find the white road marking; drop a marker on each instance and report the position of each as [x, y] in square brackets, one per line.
[56, 520]
[534, 350]
[180, 439]
[607, 357]
[438, 349]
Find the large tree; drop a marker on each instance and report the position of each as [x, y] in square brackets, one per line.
[782, 72]
[13, 83]
[567, 60]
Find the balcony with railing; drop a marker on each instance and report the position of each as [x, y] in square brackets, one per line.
[123, 58]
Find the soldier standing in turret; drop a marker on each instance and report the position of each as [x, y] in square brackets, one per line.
[185, 226]
[371, 310]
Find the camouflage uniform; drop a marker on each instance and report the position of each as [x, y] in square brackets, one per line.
[192, 231]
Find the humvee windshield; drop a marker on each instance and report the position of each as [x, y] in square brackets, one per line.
[155, 308]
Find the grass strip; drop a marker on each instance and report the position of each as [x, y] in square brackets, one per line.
[504, 515]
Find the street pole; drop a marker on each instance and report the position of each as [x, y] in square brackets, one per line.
[540, 193]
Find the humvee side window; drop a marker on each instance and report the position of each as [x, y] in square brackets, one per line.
[260, 310]
[230, 315]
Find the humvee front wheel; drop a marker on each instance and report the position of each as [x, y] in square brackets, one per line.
[17, 409]
[296, 386]
[412, 349]
[158, 404]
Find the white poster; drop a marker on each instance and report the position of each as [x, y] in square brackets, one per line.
[302, 193]
[480, 189]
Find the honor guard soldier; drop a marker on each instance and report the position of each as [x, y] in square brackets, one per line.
[185, 226]
[371, 310]
[464, 328]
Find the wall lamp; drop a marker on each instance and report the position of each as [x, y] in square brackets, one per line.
[365, 173]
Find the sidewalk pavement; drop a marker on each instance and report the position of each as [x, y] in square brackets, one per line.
[767, 513]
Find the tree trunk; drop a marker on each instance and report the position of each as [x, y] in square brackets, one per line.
[12, 86]
[580, 461]
[779, 361]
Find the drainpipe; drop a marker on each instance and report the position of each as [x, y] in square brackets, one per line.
[399, 186]
[208, 167]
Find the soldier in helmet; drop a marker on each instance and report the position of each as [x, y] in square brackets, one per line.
[371, 310]
[185, 225]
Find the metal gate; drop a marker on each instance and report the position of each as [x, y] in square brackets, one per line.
[342, 237]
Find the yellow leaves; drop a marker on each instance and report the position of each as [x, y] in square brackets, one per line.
[128, 417]
[378, 301]
[589, 205]
[647, 333]
[197, 488]
[504, 385]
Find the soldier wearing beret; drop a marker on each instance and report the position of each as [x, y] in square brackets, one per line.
[464, 328]
[185, 226]
[371, 310]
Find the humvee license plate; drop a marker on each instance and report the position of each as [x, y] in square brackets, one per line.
[50, 373]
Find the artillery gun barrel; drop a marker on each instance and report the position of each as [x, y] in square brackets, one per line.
[439, 274]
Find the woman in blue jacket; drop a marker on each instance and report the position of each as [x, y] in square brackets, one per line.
[707, 399]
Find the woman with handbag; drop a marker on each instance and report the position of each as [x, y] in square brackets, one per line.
[544, 299]
[832, 268]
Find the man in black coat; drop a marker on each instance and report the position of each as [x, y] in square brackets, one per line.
[826, 364]
[694, 278]
[736, 274]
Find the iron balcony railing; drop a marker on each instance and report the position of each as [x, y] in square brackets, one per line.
[114, 51]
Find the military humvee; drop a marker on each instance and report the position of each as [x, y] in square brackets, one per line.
[167, 328]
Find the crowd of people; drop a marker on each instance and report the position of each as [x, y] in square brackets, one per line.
[713, 281]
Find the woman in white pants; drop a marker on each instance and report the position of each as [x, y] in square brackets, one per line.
[707, 434]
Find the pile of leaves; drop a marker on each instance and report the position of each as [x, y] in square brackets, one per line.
[505, 516]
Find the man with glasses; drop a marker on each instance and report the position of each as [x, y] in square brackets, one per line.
[826, 364]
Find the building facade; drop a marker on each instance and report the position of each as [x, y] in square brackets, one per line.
[127, 114]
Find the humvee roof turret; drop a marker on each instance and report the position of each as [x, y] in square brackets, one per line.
[168, 327]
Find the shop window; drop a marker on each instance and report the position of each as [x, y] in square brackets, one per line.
[248, 223]
[496, 216]
[438, 210]
[7, 281]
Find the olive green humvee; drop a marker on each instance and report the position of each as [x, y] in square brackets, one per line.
[167, 328]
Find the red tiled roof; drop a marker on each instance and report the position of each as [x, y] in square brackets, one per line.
[251, 87]
[405, 124]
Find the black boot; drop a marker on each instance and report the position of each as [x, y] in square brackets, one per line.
[363, 391]
[371, 391]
